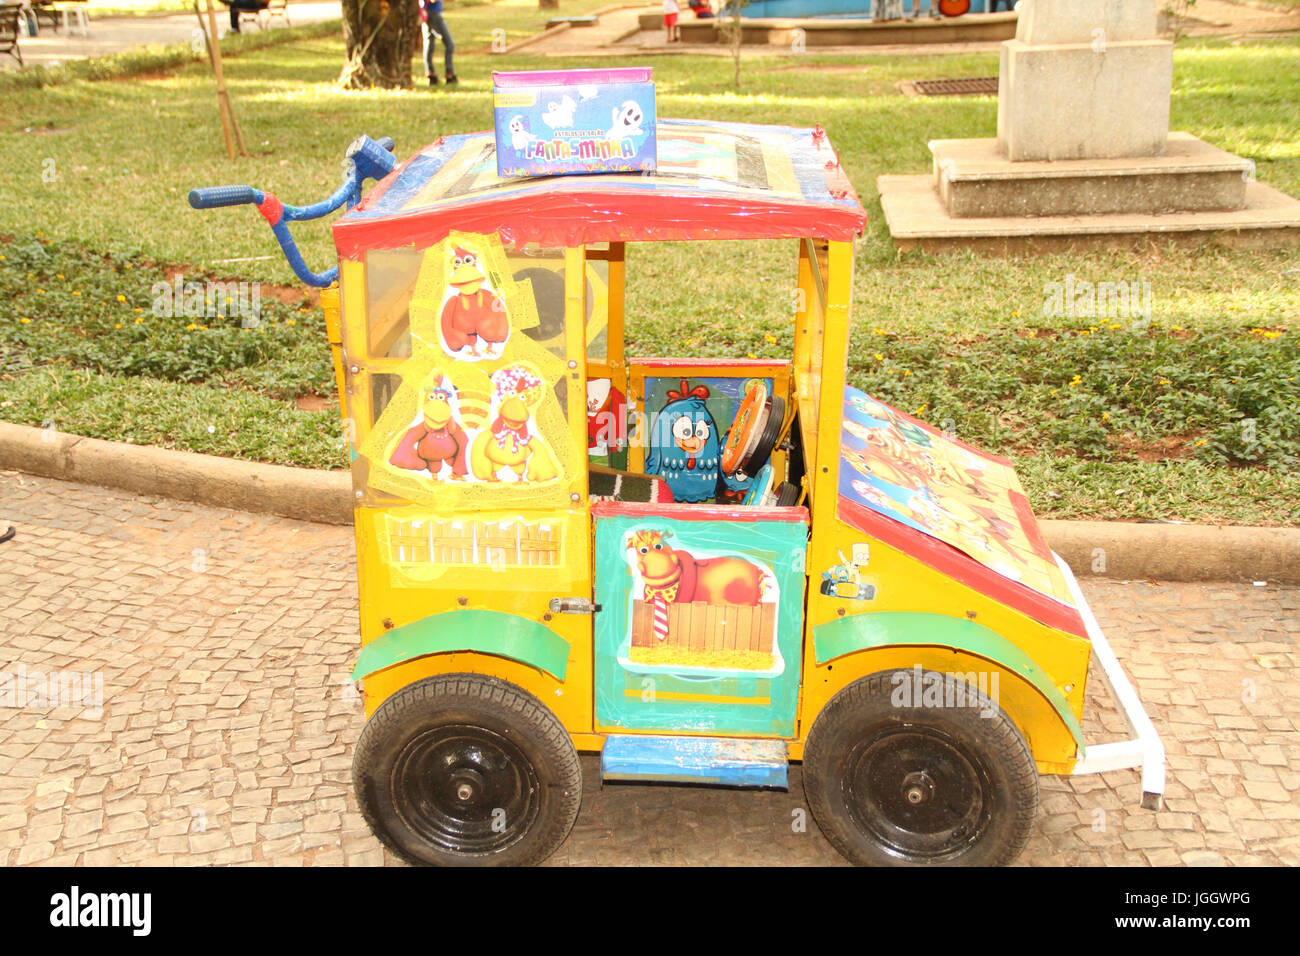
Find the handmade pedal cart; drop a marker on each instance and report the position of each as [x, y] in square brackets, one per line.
[701, 569]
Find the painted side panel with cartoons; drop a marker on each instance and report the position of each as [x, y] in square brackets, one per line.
[478, 415]
[899, 467]
[700, 627]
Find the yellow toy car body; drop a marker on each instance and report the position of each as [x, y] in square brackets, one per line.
[702, 569]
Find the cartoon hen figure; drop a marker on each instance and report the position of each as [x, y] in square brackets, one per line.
[686, 449]
[475, 316]
[509, 444]
[438, 440]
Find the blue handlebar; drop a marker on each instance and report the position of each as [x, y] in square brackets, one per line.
[367, 159]
[215, 196]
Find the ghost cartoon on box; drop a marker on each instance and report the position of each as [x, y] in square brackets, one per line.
[686, 447]
[560, 114]
[519, 135]
[626, 121]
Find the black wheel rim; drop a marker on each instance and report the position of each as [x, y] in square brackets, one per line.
[919, 794]
[465, 790]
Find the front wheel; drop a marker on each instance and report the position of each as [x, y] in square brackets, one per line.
[894, 780]
[463, 769]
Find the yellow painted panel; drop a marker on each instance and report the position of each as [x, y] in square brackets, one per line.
[905, 584]
[396, 593]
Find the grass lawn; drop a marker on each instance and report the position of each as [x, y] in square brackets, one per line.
[142, 8]
[1192, 415]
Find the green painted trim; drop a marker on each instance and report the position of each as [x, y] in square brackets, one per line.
[487, 632]
[860, 632]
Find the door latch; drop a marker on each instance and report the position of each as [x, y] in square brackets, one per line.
[573, 605]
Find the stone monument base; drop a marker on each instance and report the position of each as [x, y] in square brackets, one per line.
[1189, 175]
[917, 219]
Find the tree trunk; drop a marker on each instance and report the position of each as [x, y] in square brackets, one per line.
[381, 37]
[737, 35]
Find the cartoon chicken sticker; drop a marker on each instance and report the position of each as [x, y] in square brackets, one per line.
[686, 449]
[474, 321]
[438, 440]
[510, 445]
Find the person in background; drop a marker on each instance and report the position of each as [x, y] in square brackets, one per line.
[701, 9]
[237, 6]
[435, 27]
[670, 20]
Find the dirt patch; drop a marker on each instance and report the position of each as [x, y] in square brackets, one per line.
[286, 294]
[313, 403]
[1169, 448]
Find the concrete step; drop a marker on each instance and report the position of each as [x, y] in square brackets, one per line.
[974, 179]
[725, 761]
[834, 31]
[917, 218]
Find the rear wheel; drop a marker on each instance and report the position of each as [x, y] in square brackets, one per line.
[463, 769]
[893, 782]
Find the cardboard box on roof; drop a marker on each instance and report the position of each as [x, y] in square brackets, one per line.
[555, 122]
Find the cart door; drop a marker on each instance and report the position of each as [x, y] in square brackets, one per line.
[701, 617]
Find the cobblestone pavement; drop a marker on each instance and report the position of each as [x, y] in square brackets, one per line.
[224, 640]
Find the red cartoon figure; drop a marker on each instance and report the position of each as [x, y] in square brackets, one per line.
[673, 576]
[438, 439]
[475, 316]
[606, 407]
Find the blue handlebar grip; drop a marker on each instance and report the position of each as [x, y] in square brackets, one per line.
[215, 196]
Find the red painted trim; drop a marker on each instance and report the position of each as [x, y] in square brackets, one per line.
[578, 215]
[685, 512]
[271, 209]
[962, 568]
[1029, 525]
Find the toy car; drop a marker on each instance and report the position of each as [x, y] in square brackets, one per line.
[702, 569]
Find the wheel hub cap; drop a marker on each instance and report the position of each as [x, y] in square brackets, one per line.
[918, 793]
[465, 789]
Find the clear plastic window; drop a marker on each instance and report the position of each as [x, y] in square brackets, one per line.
[390, 279]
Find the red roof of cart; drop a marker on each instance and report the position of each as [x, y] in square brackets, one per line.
[714, 181]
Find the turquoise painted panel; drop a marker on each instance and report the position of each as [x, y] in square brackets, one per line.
[718, 645]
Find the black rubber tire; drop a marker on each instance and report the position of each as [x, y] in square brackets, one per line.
[919, 786]
[787, 494]
[443, 737]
